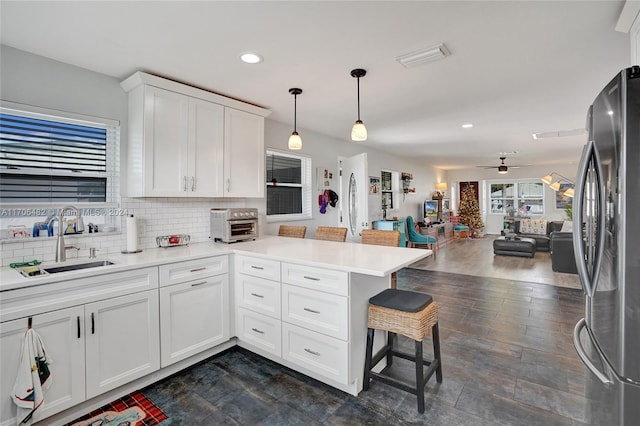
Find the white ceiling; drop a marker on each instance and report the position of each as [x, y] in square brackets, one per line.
[516, 67]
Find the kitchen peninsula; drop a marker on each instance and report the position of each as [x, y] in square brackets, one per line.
[299, 302]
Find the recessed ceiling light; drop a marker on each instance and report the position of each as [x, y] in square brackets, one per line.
[467, 126]
[251, 58]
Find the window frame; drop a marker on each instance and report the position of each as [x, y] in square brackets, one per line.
[395, 185]
[26, 212]
[306, 185]
[517, 198]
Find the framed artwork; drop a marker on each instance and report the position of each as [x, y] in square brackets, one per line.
[445, 205]
[374, 185]
[562, 200]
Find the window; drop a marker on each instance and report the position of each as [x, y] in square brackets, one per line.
[45, 159]
[288, 186]
[517, 197]
[49, 159]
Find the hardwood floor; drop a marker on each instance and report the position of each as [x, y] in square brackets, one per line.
[475, 257]
[507, 355]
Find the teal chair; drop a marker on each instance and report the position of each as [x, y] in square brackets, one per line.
[415, 238]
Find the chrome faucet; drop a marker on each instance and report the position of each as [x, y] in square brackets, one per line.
[61, 248]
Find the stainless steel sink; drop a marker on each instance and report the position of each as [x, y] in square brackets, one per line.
[76, 266]
[35, 271]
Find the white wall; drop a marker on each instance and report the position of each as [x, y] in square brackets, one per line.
[493, 222]
[35, 80]
[324, 152]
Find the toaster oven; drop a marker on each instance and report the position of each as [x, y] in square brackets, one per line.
[231, 225]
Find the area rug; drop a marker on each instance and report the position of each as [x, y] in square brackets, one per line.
[131, 410]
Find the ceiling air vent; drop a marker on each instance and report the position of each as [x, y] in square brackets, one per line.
[559, 133]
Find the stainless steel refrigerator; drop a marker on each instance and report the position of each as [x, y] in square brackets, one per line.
[606, 237]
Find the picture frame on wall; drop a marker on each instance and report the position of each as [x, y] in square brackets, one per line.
[374, 185]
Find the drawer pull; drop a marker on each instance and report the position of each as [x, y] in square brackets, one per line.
[257, 331]
[312, 311]
[257, 267]
[257, 295]
[311, 278]
[312, 352]
[198, 269]
[197, 284]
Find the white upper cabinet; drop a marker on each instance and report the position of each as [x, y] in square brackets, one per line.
[188, 142]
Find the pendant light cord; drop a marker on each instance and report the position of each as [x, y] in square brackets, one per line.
[358, 98]
[295, 112]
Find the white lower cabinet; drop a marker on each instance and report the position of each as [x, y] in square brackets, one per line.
[194, 307]
[63, 336]
[316, 352]
[122, 340]
[194, 316]
[259, 330]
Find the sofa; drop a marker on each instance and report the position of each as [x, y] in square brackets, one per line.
[539, 230]
[562, 254]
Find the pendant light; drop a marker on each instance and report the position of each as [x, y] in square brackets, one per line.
[358, 132]
[295, 141]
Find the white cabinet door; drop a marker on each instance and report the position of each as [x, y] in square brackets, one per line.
[205, 156]
[194, 316]
[165, 154]
[122, 340]
[244, 155]
[63, 337]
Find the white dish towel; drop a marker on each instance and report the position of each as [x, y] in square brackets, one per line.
[32, 379]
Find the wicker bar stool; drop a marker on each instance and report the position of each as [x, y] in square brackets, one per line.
[292, 231]
[411, 314]
[331, 233]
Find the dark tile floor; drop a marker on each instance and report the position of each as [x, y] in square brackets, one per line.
[507, 355]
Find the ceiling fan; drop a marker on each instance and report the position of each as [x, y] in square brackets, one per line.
[502, 168]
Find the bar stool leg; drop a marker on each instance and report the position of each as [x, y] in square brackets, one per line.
[390, 340]
[435, 335]
[419, 377]
[367, 360]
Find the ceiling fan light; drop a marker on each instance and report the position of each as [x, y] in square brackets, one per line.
[547, 179]
[358, 132]
[555, 186]
[295, 141]
[502, 169]
[569, 192]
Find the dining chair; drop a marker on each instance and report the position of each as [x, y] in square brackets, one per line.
[416, 239]
[381, 237]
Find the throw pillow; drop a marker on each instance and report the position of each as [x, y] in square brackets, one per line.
[533, 226]
[567, 226]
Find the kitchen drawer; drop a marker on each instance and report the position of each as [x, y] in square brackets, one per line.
[336, 282]
[322, 312]
[258, 294]
[175, 273]
[259, 330]
[257, 267]
[321, 354]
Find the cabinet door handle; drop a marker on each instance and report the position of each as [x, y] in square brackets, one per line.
[193, 183]
[184, 183]
[257, 295]
[78, 323]
[197, 284]
[257, 267]
[257, 331]
[312, 352]
[198, 269]
[312, 311]
[93, 324]
[311, 278]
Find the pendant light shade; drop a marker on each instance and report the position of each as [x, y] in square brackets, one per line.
[295, 141]
[358, 132]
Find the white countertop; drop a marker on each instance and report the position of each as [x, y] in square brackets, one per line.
[349, 257]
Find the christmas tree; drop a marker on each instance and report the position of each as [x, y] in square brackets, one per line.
[468, 210]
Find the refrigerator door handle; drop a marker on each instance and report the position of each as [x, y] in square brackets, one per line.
[583, 354]
[578, 245]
